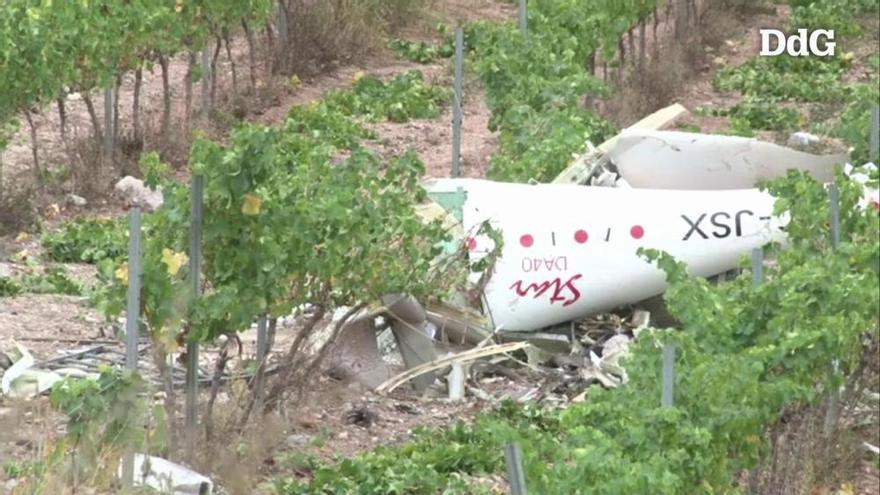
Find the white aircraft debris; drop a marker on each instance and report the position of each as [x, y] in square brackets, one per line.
[683, 160]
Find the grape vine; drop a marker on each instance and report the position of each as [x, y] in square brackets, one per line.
[55, 47]
[536, 84]
[296, 214]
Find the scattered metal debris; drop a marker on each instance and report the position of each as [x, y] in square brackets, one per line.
[168, 477]
[22, 381]
[362, 416]
[456, 382]
[28, 378]
[584, 167]
[443, 362]
[409, 322]
[356, 355]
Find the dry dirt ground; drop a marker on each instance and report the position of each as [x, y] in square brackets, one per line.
[322, 426]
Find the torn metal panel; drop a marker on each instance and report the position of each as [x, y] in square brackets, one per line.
[458, 325]
[580, 171]
[409, 323]
[682, 160]
[23, 381]
[355, 354]
[168, 477]
[446, 361]
[553, 343]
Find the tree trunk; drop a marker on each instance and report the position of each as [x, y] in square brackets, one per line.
[258, 381]
[188, 92]
[214, 58]
[231, 61]
[682, 11]
[681, 19]
[116, 113]
[116, 107]
[252, 55]
[219, 369]
[38, 172]
[322, 353]
[283, 18]
[136, 104]
[286, 368]
[632, 46]
[93, 116]
[166, 98]
[642, 43]
[62, 116]
[270, 52]
[273, 326]
[160, 359]
[656, 24]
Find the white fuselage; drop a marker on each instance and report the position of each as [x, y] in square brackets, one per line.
[570, 251]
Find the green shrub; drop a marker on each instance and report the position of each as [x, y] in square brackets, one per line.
[53, 281]
[320, 121]
[87, 240]
[9, 287]
[405, 98]
[758, 115]
[853, 127]
[421, 51]
[772, 80]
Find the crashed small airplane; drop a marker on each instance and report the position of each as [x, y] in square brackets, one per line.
[570, 251]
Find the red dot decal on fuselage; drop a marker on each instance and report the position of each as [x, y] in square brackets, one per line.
[581, 236]
[637, 231]
[526, 240]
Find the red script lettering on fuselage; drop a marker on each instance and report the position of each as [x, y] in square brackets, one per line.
[537, 289]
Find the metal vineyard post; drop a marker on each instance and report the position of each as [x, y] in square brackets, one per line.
[874, 138]
[834, 396]
[192, 345]
[515, 474]
[456, 104]
[132, 321]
